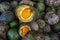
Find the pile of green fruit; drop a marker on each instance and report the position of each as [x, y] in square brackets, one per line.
[30, 20]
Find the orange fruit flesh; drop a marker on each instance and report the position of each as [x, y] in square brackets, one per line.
[26, 13]
[25, 30]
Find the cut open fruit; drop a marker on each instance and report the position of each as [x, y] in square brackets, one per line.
[25, 13]
[24, 30]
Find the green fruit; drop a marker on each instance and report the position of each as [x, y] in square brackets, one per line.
[57, 27]
[13, 34]
[4, 6]
[40, 6]
[13, 24]
[41, 23]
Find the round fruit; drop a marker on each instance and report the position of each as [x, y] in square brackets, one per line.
[51, 18]
[4, 6]
[41, 23]
[23, 30]
[34, 26]
[6, 17]
[13, 34]
[13, 24]
[40, 6]
[47, 28]
[26, 13]
[3, 30]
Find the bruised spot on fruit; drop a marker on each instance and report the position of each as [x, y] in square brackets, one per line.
[24, 30]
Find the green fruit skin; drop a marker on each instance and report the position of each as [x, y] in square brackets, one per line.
[36, 16]
[13, 35]
[41, 6]
[13, 24]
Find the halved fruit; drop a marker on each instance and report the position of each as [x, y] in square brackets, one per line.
[24, 30]
[25, 13]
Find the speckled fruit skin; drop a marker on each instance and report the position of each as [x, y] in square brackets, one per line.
[3, 30]
[40, 6]
[51, 18]
[6, 17]
[52, 2]
[13, 34]
[4, 6]
[41, 23]
[47, 28]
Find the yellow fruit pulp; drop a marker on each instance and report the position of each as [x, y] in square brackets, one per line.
[24, 30]
[26, 13]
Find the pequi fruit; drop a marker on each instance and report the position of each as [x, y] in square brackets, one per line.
[51, 18]
[3, 30]
[57, 27]
[52, 2]
[47, 28]
[13, 34]
[41, 23]
[4, 6]
[40, 6]
[13, 24]
[23, 30]
[14, 4]
[28, 2]
[34, 26]
[27, 13]
[6, 17]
